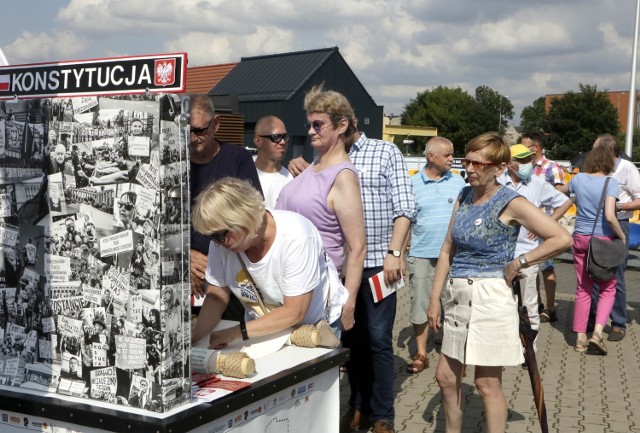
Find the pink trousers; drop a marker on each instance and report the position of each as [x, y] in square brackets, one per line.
[585, 287]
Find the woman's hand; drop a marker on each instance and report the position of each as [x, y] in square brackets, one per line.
[348, 318]
[222, 338]
[511, 271]
[433, 315]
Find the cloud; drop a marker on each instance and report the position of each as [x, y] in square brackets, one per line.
[30, 47]
[395, 47]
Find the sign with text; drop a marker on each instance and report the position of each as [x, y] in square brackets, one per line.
[127, 75]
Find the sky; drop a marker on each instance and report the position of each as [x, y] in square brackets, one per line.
[397, 48]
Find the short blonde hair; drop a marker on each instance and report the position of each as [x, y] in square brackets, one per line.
[333, 103]
[228, 204]
[497, 149]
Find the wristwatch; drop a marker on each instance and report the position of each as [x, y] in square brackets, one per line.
[618, 207]
[394, 253]
[523, 261]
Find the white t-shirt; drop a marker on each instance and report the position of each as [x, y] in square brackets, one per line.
[295, 264]
[272, 184]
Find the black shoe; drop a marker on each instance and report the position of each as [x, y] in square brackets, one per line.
[547, 316]
[616, 334]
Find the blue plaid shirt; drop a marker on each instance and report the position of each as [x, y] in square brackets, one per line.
[386, 190]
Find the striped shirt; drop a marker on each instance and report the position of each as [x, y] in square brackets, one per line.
[434, 201]
[386, 193]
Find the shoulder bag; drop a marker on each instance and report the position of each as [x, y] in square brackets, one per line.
[604, 256]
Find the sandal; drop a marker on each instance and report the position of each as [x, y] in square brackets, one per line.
[597, 345]
[418, 364]
[581, 346]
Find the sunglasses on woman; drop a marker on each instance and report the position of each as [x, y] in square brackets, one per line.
[477, 165]
[317, 125]
[218, 237]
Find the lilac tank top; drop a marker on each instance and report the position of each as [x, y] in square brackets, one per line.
[307, 195]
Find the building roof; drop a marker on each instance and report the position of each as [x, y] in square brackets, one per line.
[274, 77]
[201, 79]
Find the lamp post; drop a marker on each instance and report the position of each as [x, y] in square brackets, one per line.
[631, 109]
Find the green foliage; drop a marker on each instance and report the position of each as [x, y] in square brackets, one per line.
[573, 122]
[458, 115]
[534, 118]
[576, 119]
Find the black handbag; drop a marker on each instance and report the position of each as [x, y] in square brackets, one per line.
[604, 256]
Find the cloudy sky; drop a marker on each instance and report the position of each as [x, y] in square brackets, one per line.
[522, 49]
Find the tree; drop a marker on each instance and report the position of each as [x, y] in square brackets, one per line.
[458, 115]
[534, 117]
[575, 120]
[495, 109]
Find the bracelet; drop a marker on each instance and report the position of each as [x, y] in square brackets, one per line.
[243, 330]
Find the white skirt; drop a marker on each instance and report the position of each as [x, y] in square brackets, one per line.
[481, 325]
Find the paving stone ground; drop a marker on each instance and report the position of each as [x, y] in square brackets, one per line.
[583, 392]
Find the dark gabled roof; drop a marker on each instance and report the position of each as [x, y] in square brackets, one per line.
[274, 77]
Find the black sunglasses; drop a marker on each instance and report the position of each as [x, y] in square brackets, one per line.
[201, 131]
[218, 237]
[127, 206]
[277, 137]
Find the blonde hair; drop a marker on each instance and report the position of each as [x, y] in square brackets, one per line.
[493, 146]
[333, 103]
[228, 204]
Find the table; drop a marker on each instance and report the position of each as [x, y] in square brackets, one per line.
[297, 389]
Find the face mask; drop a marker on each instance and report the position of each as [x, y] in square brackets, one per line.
[525, 170]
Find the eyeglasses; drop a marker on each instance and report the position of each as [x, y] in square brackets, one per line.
[218, 237]
[277, 137]
[317, 125]
[201, 131]
[477, 165]
[127, 206]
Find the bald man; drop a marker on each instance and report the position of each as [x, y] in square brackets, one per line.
[271, 140]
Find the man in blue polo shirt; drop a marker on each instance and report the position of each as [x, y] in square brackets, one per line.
[436, 189]
[518, 177]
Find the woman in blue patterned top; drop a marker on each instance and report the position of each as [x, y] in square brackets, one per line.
[481, 319]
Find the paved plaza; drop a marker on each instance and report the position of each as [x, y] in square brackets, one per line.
[583, 392]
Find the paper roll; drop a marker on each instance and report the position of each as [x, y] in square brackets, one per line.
[232, 364]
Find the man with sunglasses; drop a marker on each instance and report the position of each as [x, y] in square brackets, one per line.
[271, 140]
[211, 160]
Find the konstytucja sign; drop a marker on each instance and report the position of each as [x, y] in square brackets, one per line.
[127, 75]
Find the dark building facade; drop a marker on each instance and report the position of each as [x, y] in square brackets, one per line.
[276, 84]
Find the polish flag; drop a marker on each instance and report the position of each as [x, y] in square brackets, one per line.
[4, 83]
[380, 290]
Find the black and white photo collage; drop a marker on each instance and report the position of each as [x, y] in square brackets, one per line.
[94, 214]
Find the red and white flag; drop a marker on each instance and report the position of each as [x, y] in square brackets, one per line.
[380, 290]
[4, 82]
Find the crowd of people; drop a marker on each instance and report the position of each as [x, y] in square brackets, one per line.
[461, 244]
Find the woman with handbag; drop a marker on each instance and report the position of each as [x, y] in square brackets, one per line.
[273, 261]
[593, 190]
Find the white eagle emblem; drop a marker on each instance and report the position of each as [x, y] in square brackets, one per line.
[164, 73]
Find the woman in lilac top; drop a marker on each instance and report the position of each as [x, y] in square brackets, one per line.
[328, 191]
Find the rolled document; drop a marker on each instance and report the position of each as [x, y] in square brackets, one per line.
[232, 364]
